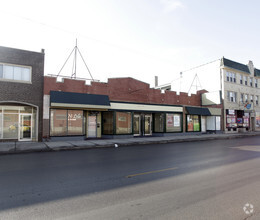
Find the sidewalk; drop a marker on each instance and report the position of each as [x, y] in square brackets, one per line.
[19, 147]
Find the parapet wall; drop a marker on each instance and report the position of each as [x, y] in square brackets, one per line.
[123, 89]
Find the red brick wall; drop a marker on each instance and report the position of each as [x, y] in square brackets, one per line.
[123, 89]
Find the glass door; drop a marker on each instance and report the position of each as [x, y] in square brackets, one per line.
[137, 125]
[25, 127]
[92, 126]
[148, 125]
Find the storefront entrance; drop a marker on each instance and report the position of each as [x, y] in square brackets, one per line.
[18, 122]
[25, 127]
[92, 126]
[142, 125]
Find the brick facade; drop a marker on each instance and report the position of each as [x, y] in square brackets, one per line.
[31, 93]
[123, 89]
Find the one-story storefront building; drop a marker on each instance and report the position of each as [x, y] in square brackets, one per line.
[120, 108]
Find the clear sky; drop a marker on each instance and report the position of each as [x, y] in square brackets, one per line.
[133, 38]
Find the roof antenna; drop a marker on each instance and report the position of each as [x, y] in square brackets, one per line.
[74, 66]
[195, 83]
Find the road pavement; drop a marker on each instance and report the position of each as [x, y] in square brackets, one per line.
[212, 179]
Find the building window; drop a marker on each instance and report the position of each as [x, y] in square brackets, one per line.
[227, 76]
[173, 122]
[66, 122]
[242, 98]
[75, 122]
[252, 98]
[234, 77]
[256, 99]
[123, 123]
[158, 122]
[15, 73]
[231, 96]
[246, 98]
[241, 79]
[107, 125]
[193, 123]
[245, 80]
[251, 82]
[256, 84]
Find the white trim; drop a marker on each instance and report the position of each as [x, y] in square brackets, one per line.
[143, 107]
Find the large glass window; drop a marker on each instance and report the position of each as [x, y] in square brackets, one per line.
[107, 124]
[11, 121]
[158, 122]
[193, 123]
[58, 122]
[75, 122]
[173, 122]
[10, 126]
[66, 122]
[123, 123]
[13, 72]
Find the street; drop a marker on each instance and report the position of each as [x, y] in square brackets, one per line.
[217, 179]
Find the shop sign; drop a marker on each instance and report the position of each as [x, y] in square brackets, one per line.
[248, 106]
[74, 117]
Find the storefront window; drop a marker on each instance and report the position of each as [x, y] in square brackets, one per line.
[158, 122]
[123, 123]
[107, 124]
[193, 123]
[66, 122]
[1, 121]
[257, 120]
[58, 122]
[75, 122]
[173, 122]
[218, 123]
[10, 126]
[246, 120]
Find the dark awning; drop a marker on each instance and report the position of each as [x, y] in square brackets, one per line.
[198, 111]
[78, 99]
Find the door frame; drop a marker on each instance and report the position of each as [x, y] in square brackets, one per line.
[140, 125]
[21, 126]
[150, 117]
[87, 133]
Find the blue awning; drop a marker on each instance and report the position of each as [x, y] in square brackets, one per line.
[78, 99]
[198, 111]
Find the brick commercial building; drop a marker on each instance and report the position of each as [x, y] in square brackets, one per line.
[122, 107]
[21, 94]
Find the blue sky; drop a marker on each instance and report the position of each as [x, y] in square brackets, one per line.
[133, 38]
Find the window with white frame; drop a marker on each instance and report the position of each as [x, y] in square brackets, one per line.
[251, 98]
[234, 77]
[245, 80]
[256, 84]
[15, 73]
[231, 96]
[251, 82]
[246, 98]
[241, 79]
[241, 97]
[227, 76]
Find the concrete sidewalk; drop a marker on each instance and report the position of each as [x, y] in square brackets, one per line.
[19, 147]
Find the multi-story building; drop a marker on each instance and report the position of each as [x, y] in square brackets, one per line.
[21, 94]
[240, 84]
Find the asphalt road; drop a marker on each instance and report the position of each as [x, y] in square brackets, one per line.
[200, 180]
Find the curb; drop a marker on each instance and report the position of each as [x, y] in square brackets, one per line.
[112, 145]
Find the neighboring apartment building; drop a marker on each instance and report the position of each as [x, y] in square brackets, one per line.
[238, 85]
[21, 94]
[241, 96]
